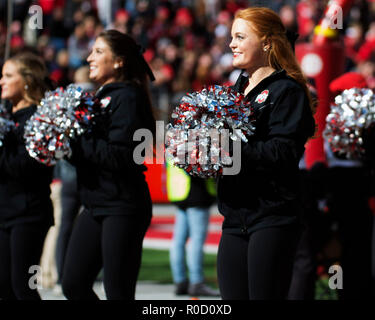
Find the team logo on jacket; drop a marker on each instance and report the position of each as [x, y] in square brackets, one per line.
[262, 96]
[105, 102]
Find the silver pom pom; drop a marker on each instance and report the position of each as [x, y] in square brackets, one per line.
[352, 114]
[198, 124]
[61, 116]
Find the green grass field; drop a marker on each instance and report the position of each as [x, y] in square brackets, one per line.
[155, 267]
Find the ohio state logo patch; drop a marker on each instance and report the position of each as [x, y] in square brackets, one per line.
[262, 96]
[105, 102]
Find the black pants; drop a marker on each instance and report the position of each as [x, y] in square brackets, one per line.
[348, 203]
[346, 191]
[111, 242]
[302, 285]
[373, 259]
[257, 266]
[315, 234]
[21, 247]
[70, 205]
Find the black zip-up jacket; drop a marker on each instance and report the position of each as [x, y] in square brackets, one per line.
[265, 192]
[109, 181]
[24, 182]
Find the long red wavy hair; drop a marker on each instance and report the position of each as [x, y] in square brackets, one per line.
[268, 26]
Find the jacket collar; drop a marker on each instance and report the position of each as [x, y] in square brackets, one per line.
[25, 111]
[243, 79]
[103, 90]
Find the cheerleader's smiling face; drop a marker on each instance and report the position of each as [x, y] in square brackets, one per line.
[12, 83]
[247, 47]
[103, 64]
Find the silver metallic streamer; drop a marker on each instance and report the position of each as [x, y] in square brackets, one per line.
[62, 115]
[352, 114]
[193, 137]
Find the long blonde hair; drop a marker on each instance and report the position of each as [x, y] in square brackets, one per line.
[268, 26]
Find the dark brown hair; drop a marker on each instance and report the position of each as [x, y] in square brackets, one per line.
[123, 46]
[134, 69]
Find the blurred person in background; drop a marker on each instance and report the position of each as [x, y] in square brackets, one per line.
[78, 47]
[57, 29]
[348, 185]
[183, 80]
[203, 71]
[121, 21]
[26, 211]
[288, 18]
[193, 196]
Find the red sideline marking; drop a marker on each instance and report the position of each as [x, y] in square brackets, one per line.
[162, 228]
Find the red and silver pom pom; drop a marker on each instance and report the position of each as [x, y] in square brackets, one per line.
[62, 114]
[352, 114]
[194, 138]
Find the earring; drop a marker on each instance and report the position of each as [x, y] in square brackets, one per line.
[26, 87]
[265, 49]
[116, 66]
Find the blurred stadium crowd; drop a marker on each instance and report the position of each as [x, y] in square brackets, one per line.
[185, 41]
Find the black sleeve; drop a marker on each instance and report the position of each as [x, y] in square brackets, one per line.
[290, 124]
[15, 161]
[116, 152]
[369, 145]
